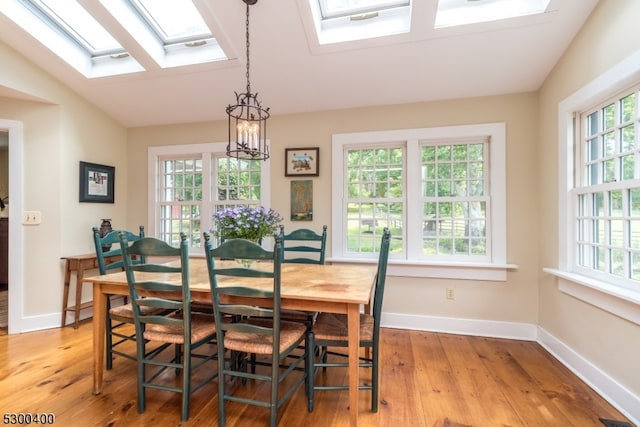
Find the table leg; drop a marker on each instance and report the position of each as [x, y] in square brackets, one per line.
[65, 296]
[353, 321]
[99, 319]
[79, 277]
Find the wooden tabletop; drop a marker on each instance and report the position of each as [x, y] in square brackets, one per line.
[334, 283]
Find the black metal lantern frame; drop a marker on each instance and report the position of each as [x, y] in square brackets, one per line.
[248, 119]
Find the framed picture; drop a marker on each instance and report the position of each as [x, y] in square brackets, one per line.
[302, 161]
[96, 183]
[302, 200]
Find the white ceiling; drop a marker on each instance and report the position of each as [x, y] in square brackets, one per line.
[293, 74]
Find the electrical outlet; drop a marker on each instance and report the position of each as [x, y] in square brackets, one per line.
[450, 294]
[31, 217]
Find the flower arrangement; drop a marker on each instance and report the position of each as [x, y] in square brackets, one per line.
[246, 222]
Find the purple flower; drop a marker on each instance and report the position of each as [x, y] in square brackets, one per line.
[246, 222]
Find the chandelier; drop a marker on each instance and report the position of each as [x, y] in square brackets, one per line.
[248, 119]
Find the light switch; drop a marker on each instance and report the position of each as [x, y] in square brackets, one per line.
[31, 218]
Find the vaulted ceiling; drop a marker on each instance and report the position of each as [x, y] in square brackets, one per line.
[293, 73]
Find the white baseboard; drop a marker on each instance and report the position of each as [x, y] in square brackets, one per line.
[610, 390]
[450, 325]
[613, 392]
[38, 323]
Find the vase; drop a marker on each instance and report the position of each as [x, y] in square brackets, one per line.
[248, 263]
[105, 228]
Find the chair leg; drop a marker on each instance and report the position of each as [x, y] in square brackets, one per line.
[141, 388]
[140, 352]
[109, 337]
[374, 379]
[177, 354]
[186, 382]
[109, 343]
[273, 409]
[222, 417]
[310, 370]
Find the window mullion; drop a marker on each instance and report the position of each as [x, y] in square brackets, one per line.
[413, 200]
[206, 204]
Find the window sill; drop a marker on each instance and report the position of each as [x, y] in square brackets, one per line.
[620, 301]
[466, 271]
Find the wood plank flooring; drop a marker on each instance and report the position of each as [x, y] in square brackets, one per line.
[427, 379]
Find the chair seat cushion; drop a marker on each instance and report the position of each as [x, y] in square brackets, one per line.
[202, 326]
[333, 327]
[290, 333]
[126, 311]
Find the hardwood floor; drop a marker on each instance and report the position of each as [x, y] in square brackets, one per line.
[427, 379]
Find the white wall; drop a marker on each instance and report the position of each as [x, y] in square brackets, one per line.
[606, 343]
[59, 130]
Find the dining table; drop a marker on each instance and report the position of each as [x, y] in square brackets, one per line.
[333, 288]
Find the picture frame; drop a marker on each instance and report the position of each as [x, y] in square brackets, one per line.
[96, 183]
[302, 161]
[301, 200]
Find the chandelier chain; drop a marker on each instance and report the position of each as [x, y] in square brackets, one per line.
[247, 36]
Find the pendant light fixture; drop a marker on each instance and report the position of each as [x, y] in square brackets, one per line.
[248, 119]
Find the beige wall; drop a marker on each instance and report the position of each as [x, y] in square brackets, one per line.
[60, 129]
[610, 343]
[513, 301]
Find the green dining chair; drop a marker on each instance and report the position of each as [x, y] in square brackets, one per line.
[118, 316]
[166, 287]
[303, 246]
[330, 330]
[256, 327]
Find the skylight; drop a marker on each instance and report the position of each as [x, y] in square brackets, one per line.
[338, 8]
[72, 19]
[462, 12]
[111, 37]
[348, 20]
[173, 21]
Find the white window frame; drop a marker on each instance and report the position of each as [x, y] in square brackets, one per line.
[619, 300]
[207, 151]
[496, 268]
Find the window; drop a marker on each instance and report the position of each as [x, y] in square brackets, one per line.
[607, 193]
[598, 192]
[171, 33]
[455, 12]
[73, 20]
[439, 190]
[336, 8]
[173, 22]
[180, 201]
[192, 182]
[337, 21]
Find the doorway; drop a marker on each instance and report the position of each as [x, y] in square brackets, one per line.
[4, 231]
[14, 130]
